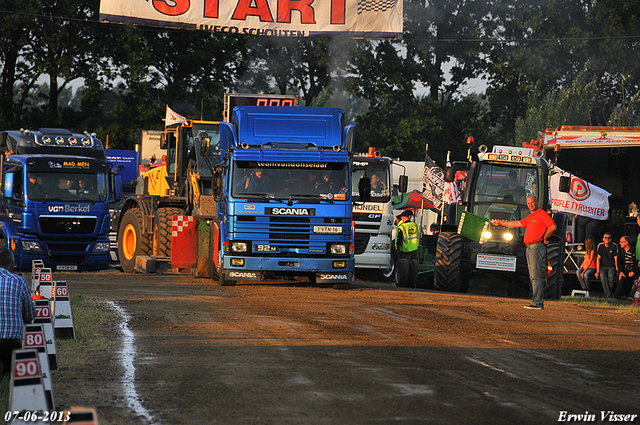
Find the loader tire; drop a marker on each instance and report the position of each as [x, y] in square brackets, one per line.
[162, 231]
[131, 241]
[448, 272]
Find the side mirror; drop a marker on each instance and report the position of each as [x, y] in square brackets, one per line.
[217, 182]
[163, 141]
[8, 185]
[117, 187]
[403, 183]
[364, 189]
[204, 149]
[565, 184]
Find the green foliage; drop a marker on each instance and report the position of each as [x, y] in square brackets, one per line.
[571, 106]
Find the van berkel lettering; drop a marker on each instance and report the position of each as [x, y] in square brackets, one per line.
[291, 211]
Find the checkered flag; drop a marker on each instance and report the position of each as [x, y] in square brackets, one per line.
[375, 5]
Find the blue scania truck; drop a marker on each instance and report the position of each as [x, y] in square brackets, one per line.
[55, 193]
[283, 193]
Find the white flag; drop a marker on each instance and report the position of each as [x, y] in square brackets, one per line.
[583, 198]
[451, 193]
[173, 118]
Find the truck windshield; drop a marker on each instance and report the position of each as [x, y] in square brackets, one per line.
[500, 190]
[378, 173]
[68, 187]
[281, 180]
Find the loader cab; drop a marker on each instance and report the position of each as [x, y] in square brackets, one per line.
[191, 148]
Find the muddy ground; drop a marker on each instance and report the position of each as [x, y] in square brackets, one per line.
[375, 354]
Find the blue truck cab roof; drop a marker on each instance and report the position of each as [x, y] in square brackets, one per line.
[281, 125]
[51, 141]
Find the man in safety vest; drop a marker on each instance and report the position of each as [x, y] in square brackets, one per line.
[407, 237]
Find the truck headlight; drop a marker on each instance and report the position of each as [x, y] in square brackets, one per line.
[101, 247]
[338, 249]
[31, 246]
[487, 235]
[380, 246]
[507, 237]
[238, 247]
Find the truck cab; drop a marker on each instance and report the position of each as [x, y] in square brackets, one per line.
[56, 190]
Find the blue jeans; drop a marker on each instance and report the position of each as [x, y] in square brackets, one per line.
[607, 275]
[586, 282]
[537, 264]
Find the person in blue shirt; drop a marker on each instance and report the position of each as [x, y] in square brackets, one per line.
[16, 309]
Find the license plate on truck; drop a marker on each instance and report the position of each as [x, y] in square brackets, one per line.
[66, 268]
[505, 263]
[327, 229]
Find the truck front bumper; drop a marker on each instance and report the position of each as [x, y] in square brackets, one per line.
[324, 270]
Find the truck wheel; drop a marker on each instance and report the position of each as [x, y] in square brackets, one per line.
[553, 289]
[131, 241]
[162, 231]
[413, 273]
[402, 273]
[448, 262]
[387, 276]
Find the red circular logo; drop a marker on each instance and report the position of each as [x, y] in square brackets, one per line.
[580, 189]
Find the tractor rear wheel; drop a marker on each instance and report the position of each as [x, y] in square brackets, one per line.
[448, 264]
[553, 288]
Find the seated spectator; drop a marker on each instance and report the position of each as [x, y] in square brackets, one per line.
[628, 269]
[588, 267]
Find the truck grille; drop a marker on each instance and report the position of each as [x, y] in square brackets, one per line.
[82, 247]
[362, 240]
[288, 233]
[68, 225]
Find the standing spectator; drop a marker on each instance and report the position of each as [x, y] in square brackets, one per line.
[607, 263]
[588, 267]
[628, 269]
[538, 227]
[407, 237]
[16, 309]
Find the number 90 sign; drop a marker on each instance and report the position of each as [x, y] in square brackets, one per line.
[26, 369]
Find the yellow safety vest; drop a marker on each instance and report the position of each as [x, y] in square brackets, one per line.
[409, 232]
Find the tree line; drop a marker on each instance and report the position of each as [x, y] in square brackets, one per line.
[544, 63]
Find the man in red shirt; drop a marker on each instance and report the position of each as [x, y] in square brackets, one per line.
[539, 226]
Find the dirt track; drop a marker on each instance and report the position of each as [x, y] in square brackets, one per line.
[257, 354]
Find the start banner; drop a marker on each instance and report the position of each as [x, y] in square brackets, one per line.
[583, 198]
[377, 19]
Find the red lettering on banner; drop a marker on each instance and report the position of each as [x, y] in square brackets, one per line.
[179, 7]
[337, 11]
[245, 9]
[285, 7]
[211, 8]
